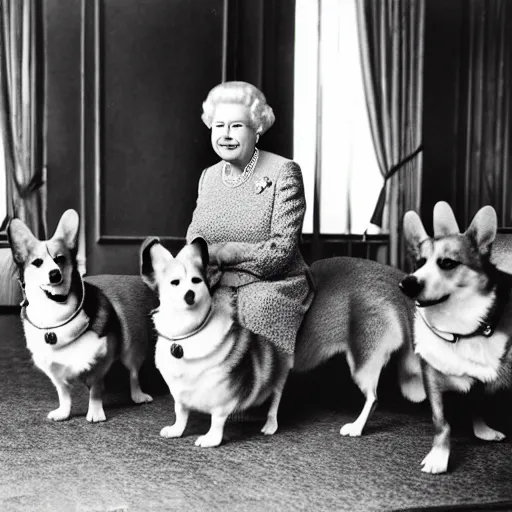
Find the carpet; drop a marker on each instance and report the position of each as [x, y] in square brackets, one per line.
[124, 465]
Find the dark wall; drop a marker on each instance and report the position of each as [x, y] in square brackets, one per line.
[155, 73]
[62, 119]
[442, 53]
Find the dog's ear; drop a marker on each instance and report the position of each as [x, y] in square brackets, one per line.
[153, 259]
[67, 229]
[199, 244]
[414, 232]
[21, 240]
[483, 228]
[444, 220]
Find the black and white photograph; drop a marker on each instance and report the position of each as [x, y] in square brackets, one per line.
[255, 255]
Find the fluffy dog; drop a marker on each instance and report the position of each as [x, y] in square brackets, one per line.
[209, 361]
[71, 327]
[464, 317]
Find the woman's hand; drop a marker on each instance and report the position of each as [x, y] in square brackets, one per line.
[228, 253]
[215, 253]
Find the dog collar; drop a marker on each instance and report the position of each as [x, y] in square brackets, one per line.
[65, 332]
[486, 328]
[176, 348]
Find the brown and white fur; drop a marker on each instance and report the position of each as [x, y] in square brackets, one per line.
[220, 366]
[464, 317]
[358, 311]
[59, 303]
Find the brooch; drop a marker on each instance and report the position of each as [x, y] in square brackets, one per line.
[262, 184]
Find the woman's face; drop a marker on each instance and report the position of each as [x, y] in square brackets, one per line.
[233, 137]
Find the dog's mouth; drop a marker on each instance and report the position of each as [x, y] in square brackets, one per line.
[56, 297]
[428, 303]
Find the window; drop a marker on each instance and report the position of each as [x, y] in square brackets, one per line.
[350, 175]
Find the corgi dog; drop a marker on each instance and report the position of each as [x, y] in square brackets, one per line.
[463, 324]
[212, 364]
[209, 361]
[71, 328]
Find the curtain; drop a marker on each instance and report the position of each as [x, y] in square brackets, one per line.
[484, 156]
[19, 119]
[391, 44]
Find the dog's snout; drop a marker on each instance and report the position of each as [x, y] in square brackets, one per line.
[190, 297]
[411, 286]
[55, 276]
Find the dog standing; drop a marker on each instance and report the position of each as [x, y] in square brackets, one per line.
[212, 364]
[70, 326]
[209, 361]
[463, 325]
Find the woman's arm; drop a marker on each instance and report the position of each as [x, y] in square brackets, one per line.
[270, 258]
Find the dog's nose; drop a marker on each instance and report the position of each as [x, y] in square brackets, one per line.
[55, 276]
[411, 286]
[190, 297]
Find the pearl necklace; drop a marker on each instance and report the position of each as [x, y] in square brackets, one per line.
[236, 181]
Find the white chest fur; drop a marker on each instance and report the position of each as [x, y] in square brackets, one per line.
[478, 357]
[199, 378]
[68, 361]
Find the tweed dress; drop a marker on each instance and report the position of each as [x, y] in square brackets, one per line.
[270, 279]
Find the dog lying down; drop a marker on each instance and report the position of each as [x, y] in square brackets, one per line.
[214, 365]
[75, 329]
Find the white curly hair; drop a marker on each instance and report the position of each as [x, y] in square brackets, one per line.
[243, 93]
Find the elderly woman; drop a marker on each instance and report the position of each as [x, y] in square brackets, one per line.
[250, 209]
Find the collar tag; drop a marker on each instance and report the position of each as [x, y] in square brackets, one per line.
[177, 350]
[487, 331]
[50, 337]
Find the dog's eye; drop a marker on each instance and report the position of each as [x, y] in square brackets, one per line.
[447, 263]
[60, 259]
[175, 282]
[197, 280]
[37, 262]
[420, 262]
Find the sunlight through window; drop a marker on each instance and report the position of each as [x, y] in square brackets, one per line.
[350, 176]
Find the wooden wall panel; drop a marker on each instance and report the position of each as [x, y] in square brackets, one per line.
[62, 117]
[147, 67]
[442, 55]
[158, 61]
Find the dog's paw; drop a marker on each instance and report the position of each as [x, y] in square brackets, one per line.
[270, 427]
[96, 415]
[141, 398]
[59, 414]
[208, 440]
[436, 461]
[486, 433]
[172, 431]
[351, 429]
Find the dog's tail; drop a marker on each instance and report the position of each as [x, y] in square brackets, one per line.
[410, 377]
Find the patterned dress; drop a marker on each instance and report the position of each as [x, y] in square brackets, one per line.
[262, 218]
